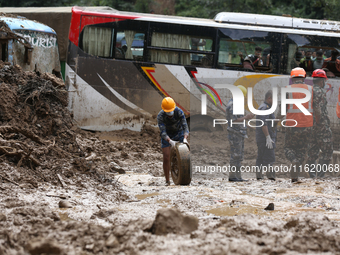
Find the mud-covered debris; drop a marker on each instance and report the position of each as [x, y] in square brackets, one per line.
[81, 164]
[43, 246]
[270, 207]
[170, 220]
[62, 196]
[112, 241]
[64, 204]
[35, 124]
[116, 168]
[3, 217]
[103, 213]
[89, 246]
[56, 82]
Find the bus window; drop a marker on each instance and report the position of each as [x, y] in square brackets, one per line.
[201, 44]
[245, 54]
[312, 52]
[163, 48]
[129, 45]
[97, 41]
[248, 50]
[180, 49]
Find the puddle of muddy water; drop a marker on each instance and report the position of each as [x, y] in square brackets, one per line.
[232, 211]
[64, 216]
[318, 190]
[301, 190]
[143, 196]
[258, 210]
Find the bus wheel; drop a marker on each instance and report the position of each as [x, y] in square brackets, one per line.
[180, 164]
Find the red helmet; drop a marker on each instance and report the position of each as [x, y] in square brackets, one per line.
[319, 73]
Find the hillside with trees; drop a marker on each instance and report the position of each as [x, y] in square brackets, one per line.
[314, 9]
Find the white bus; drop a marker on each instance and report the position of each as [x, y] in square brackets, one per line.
[121, 65]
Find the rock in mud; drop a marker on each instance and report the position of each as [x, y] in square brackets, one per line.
[3, 217]
[112, 241]
[102, 213]
[270, 207]
[64, 204]
[173, 221]
[116, 168]
[37, 247]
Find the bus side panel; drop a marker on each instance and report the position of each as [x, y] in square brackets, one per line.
[75, 27]
[90, 20]
[93, 111]
[124, 78]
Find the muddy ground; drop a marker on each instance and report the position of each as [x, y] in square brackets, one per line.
[68, 191]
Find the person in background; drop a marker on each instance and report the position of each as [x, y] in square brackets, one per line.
[313, 57]
[307, 62]
[174, 128]
[332, 63]
[298, 132]
[236, 135]
[321, 138]
[266, 57]
[265, 139]
[255, 59]
[318, 62]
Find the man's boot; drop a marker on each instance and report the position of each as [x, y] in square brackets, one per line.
[322, 167]
[259, 174]
[294, 173]
[238, 175]
[232, 175]
[271, 174]
[312, 169]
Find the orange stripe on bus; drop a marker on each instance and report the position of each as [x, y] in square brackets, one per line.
[148, 71]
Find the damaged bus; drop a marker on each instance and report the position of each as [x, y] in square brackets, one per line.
[29, 44]
[121, 65]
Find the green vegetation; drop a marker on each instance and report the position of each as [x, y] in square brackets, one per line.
[314, 9]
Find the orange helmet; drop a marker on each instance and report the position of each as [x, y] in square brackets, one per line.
[168, 104]
[298, 72]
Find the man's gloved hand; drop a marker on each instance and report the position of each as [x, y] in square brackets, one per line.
[269, 142]
[185, 140]
[172, 143]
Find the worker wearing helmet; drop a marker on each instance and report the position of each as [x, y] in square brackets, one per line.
[321, 138]
[173, 126]
[236, 135]
[299, 131]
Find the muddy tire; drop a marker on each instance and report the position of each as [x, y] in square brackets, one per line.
[180, 164]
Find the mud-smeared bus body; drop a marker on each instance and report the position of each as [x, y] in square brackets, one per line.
[121, 65]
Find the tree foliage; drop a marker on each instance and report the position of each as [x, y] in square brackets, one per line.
[314, 9]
